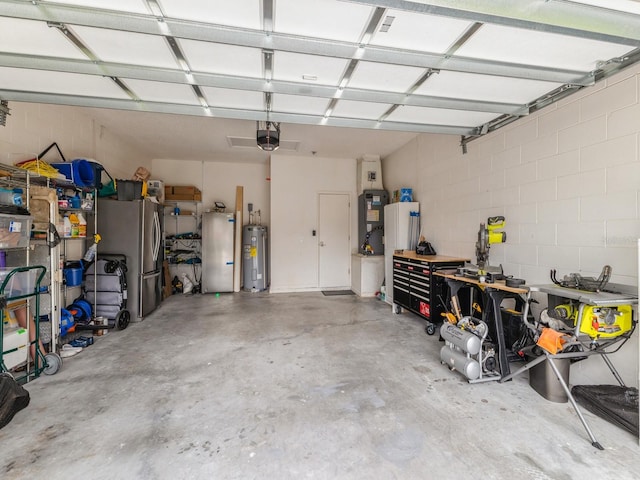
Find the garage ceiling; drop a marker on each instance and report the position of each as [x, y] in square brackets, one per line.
[463, 67]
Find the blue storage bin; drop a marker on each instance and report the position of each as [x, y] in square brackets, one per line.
[73, 273]
[79, 171]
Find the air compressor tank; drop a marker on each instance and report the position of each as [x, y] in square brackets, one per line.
[466, 341]
[457, 360]
[255, 262]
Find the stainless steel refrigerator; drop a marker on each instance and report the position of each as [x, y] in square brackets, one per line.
[134, 229]
[217, 252]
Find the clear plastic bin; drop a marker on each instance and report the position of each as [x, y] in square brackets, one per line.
[20, 283]
[15, 231]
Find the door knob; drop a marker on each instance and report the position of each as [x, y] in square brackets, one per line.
[321, 244]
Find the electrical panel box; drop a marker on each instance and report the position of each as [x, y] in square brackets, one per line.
[371, 221]
[369, 173]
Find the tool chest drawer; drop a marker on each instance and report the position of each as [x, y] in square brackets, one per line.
[416, 288]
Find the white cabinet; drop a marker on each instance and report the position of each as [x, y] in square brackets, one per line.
[397, 236]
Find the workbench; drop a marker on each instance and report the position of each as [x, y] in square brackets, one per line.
[494, 294]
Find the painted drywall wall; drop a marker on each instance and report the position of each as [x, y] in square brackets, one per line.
[30, 128]
[296, 182]
[218, 180]
[567, 179]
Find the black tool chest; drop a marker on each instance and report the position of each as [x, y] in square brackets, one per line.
[416, 288]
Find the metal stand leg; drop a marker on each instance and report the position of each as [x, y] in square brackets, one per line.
[594, 442]
[496, 297]
[613, 369]
[524, 368]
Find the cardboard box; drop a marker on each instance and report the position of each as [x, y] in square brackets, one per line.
[184, 193]
[184, 198]
[185, 190]
[141, 174]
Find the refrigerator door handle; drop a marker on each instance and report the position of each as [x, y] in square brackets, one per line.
[156, 235]
[147, 275]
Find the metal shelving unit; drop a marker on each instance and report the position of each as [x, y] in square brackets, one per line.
[183, 238]
[36, 188]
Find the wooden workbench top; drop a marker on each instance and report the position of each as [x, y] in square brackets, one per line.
[499, 285]
[412, 255]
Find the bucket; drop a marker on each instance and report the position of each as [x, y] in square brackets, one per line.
[543, 379]
[73, 273]
[78, 171]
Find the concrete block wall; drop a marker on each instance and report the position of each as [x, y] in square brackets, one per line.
[566, 178]
[30, 128]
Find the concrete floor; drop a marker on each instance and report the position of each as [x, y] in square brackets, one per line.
[292, 386]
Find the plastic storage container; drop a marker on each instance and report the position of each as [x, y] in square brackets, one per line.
[15, 231]
[10, 197]
[73, 273]
[20, 283]
[79, 171]
[128, 190]
[14, 338]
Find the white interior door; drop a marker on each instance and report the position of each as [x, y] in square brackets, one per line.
[334, 243]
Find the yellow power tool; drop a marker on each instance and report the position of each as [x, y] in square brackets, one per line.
[488, 235]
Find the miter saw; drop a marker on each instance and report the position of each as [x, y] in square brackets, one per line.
[487, 235]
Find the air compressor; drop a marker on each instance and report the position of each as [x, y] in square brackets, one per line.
[467, 350]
